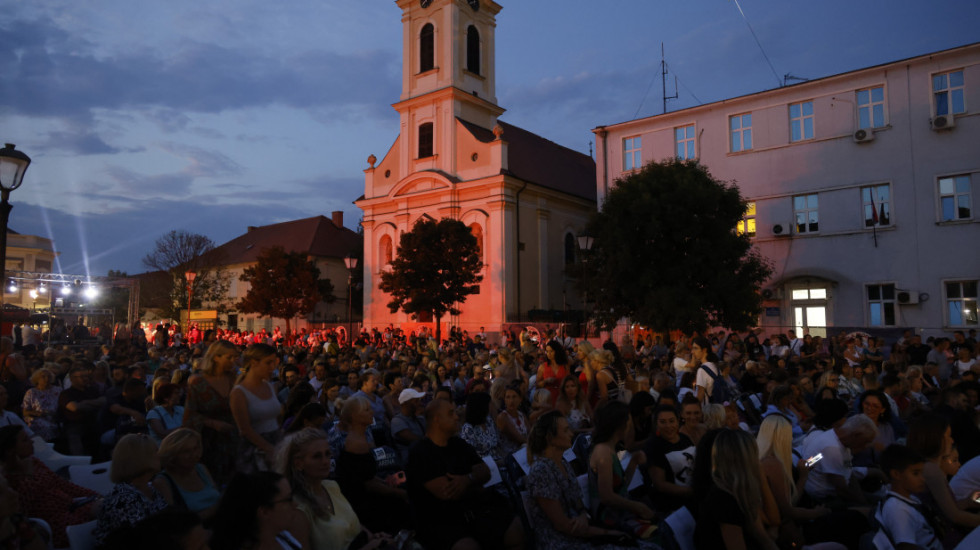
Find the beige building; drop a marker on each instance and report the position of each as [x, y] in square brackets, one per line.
[525, 198]
[27, 253]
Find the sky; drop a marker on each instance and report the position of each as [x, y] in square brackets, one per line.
[145, 117]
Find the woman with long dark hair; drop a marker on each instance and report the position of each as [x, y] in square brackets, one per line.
[257, 512]
[553, 371]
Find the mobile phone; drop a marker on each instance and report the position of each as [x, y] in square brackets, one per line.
[813, 460]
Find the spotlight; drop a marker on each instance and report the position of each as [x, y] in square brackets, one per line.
[42, 289]
[65, 290]
[12, 286]
[91, 292]
[33, 294]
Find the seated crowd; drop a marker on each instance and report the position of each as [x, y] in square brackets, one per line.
[234, 440]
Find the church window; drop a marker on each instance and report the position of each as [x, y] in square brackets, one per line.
[477, 232]
[384, 247]
[473, 50]
[569, 249]
[427, 48]
[425, 140]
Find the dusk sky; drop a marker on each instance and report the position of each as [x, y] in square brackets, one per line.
[143, 117]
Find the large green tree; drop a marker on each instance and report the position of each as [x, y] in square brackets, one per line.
[666, 252]
[283, 285]
[178, 252]
[437, 265]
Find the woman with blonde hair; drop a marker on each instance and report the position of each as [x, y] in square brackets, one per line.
[207, 409]
[304, 459]
[611, 382]
[731, 514]
[41, 405]
[187, 480]
[714, 415]
[133, 497]
[256, 408]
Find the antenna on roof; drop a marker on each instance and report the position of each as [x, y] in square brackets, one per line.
[590, 147]
[787, 77]
[663, 78]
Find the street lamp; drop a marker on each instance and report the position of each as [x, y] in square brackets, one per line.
[13, 165]
[190, 276]
[351, 262]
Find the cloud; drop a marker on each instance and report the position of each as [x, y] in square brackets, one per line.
[81, 143]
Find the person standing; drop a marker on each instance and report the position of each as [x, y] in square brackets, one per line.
[207, 409]
[256, 409]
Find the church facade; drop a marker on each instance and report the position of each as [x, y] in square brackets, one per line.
[524, 198]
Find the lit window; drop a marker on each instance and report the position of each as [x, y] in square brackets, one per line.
[684, 137]
[805, 211]
[881, 305]
[876, 204]
[427, 48]
[741, 126]
[871, 107]
[746, 226]
[809, 294]
[961, 303]
[954, 198]
[425, 140]
[947, 91]
[632, 147]
[801, 121]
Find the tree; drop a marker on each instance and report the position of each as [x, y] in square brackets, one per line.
[667, 254]
[178, 252]
[437, 265]
[283, 285]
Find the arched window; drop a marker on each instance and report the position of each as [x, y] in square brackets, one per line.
[569, 249]
[477, 232]
[384, 251]
[425, 140]
[473, 50]
[427, 48]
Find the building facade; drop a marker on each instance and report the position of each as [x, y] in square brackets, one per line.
[861, 188]
[524, 198]
[28, 253]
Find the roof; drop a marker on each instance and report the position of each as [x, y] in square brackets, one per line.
[316, 236]
[539, 161]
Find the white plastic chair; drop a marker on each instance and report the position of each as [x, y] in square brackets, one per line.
[92, 476]
[45, 452]
[681, 524]
[80, 536]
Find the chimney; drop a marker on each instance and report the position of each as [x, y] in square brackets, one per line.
[251, 228]
[337, 217]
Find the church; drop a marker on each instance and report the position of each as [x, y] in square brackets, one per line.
[525, 198]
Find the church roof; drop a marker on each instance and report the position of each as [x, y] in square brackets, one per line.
[539, 161]
[316, 236]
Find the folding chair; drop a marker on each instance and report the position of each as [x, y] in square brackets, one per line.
[80, 536]
[92, 476]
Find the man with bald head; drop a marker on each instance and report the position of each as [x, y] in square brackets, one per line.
[445, 478]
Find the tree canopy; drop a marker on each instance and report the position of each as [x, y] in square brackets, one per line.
[178, 252]
[666, 252]
[283, 285]
[437, 265]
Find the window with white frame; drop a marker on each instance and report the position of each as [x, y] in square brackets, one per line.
[741, 128]
[876, 205]
[954, 198]
[948, 93]
[684, 138]
[961, 303]
[871, 107]
[881, 305]
[746, 226]
[801, 121]
[805, 213]
[632, 148]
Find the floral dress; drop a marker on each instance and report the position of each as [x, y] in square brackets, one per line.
[46, 495]
[125, 506]
[507, 445]
[484, 439]
[218, 448]
[46, 403]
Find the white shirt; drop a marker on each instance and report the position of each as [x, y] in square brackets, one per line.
[836, 461]
[704, 380]
[967, 480]
[904, 524]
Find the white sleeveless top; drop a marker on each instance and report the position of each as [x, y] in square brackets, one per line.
[263, 413]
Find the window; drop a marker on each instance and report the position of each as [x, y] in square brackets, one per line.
[385, 251]
[947, 91]
[684, 136]
[876, 205]
[805, 210]
[631, 153]
[881, 305]
[741, 126]
[477, 232]
[427, 48]
[801, 121]
[961, 303]
[425, 140]
[954, 198]
[871, 107]
[569, 249]
[473, 50]
[747, 224]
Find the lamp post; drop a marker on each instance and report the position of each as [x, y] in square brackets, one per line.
[351, 262]
[190, 276]
[13, 165]
[585, 243]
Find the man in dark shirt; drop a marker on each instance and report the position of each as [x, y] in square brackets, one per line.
[78, 407]
[918, 351]
[445, 480]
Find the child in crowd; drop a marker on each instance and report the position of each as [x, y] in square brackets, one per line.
[903, 522]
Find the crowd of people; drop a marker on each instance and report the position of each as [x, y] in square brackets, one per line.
[234, 440]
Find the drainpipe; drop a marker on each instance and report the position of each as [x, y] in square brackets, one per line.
[517, 200]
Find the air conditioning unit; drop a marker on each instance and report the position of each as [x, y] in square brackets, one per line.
[772, 293]
[782, 229]
[907, 297]
[864, 135]
[943, 122]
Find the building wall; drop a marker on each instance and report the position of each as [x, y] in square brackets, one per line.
[916, 250]
[28, 253]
